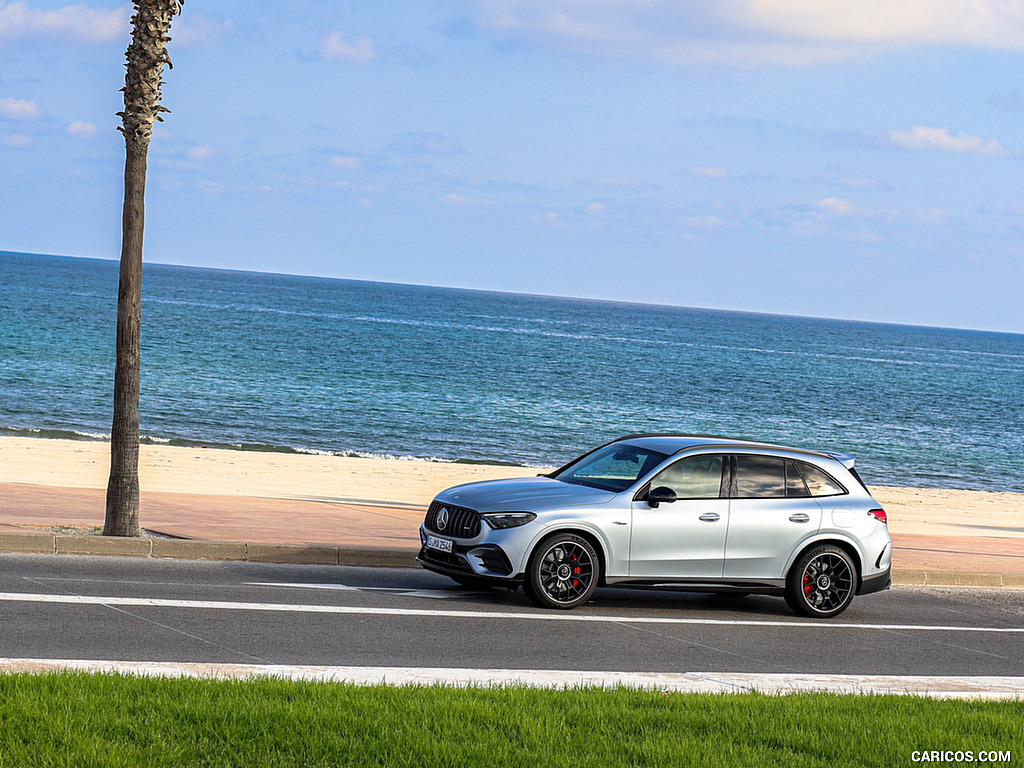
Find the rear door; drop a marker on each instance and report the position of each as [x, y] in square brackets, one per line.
[770, 514]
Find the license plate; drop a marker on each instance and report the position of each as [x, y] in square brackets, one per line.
[441, 545]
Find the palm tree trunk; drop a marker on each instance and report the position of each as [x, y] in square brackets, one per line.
[122, 514]
[146, 56]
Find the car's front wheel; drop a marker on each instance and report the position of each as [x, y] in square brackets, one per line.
[822, 582]
[562, 572]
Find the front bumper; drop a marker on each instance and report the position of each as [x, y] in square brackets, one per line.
[481, 561]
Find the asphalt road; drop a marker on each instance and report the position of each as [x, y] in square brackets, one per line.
[66, 607]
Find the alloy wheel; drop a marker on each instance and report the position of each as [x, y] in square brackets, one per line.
[826, 583]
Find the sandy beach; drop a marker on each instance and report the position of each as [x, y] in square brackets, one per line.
[410, 483]
[223, 494]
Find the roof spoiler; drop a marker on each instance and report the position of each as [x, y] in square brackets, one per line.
[843, 458]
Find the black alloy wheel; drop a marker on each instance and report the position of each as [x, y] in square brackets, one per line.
[563, 572]
[822, 582]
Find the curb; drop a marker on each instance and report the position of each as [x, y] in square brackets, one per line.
[188, 549]
[373, 557]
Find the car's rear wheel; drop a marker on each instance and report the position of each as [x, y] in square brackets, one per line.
[822, 582]
[562, 572]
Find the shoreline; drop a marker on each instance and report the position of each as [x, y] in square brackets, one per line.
[409, 483]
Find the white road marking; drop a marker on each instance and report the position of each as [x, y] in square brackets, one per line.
[225, 605]
[666, 682]
[339, 587]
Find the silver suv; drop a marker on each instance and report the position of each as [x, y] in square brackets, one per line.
[667, 511]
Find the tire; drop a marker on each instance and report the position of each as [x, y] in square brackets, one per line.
[562, 572]
[822, 582]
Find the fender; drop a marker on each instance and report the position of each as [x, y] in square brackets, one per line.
[827, 538]
[571, 526]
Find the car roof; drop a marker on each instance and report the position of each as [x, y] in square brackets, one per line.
[670, 443]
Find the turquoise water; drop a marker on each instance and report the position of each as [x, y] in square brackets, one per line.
[276, 362]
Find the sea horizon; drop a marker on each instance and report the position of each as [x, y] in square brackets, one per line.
[250, 360]
[499, 292]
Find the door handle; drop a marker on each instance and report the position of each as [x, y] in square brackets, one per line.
[800, 517]
[710, 517]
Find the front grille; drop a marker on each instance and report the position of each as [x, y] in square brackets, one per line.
[462, 523]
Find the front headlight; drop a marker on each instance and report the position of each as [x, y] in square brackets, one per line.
[508, 519]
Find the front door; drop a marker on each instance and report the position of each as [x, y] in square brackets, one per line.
[683, 539]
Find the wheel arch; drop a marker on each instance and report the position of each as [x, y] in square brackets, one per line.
[584, 533]
[847, 546]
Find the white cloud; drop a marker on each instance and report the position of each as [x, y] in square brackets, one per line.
[622, 183]
[81, 130]
[934, 216]
[551, 218]
[81, 23]
[77, 23]
[710, 172]
[426, 143]
[860, 182]
[751, 32]
[985, 23]
[194, 30]
[201, 153]
[474, 202]
[15, 140]
[923, 137]
[347, 162]
[19, 109]
[710, 222]
[596, 208]
[338, 47]
[834, 205]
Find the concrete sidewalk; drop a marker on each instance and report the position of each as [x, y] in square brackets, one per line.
[364, 532]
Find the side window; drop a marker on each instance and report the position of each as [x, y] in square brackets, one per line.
[760, 477]
[699, 477]
[795, 486]
[819, 483]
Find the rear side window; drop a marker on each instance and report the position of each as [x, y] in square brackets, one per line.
[818, 482]
[768, 477]
[795, 485]
[760, 477]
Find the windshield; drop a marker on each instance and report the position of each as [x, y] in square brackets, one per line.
[612, 468]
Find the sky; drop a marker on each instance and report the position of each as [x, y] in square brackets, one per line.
[850, 159]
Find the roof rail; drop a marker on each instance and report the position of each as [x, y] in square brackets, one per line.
[845, 459]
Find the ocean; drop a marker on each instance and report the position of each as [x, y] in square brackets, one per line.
[257, 361]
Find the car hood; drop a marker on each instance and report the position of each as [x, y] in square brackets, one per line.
[526, 494]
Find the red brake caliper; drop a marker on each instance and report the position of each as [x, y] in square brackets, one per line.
[807, 584]
[575, 570]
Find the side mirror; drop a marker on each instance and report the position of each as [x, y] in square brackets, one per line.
[660, 495]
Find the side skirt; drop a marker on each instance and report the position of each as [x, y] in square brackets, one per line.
[767, 587]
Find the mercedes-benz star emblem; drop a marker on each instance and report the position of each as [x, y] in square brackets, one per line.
[442, 519]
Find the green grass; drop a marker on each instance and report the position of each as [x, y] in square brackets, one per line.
[77, 719]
